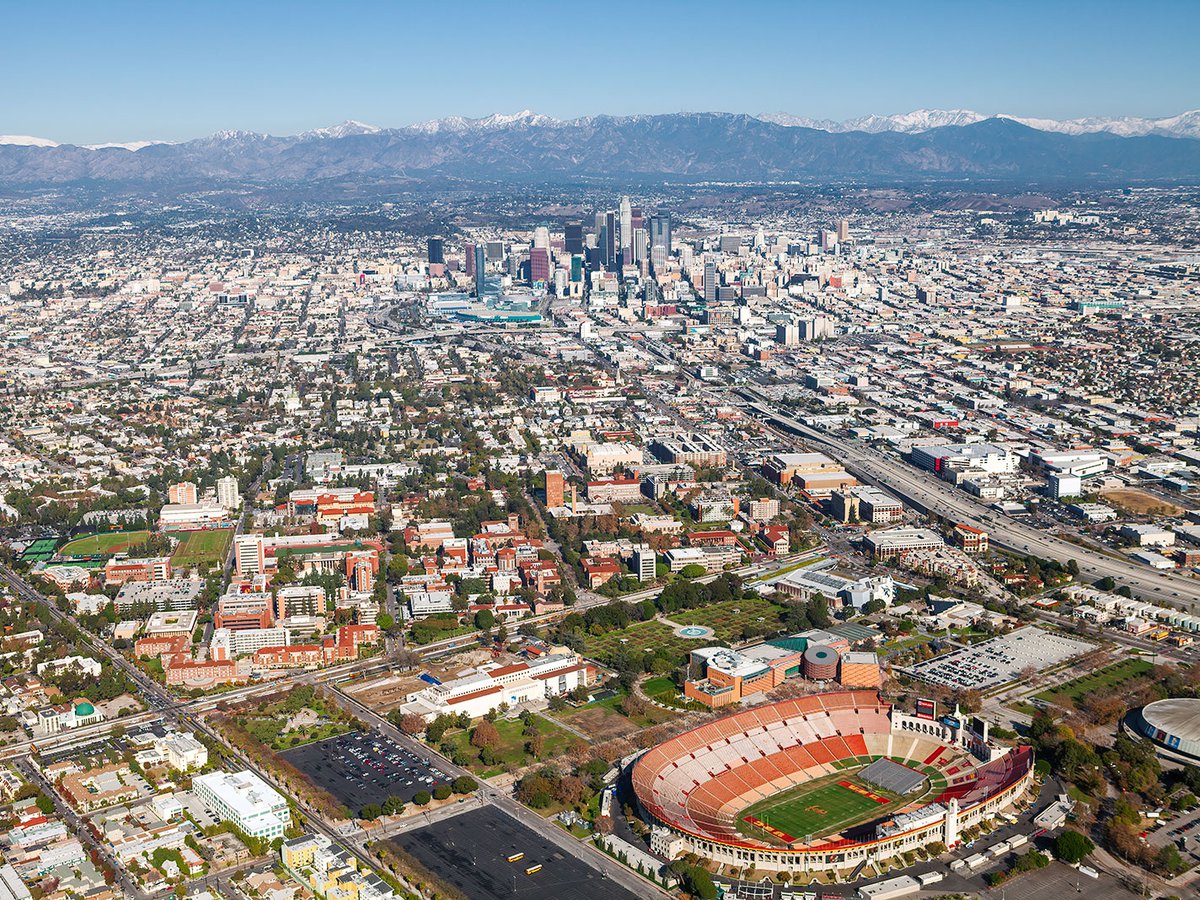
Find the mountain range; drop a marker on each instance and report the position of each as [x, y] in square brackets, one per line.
[926, 144]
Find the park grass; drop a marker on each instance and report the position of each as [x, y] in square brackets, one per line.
[729, 617]
[652, 716]
[818, 809]
[197, 547]
[511, 750]
[639, 637]
[1101, 680]
[663, 691]
[105, 543]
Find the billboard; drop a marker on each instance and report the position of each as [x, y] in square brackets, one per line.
[926, 709]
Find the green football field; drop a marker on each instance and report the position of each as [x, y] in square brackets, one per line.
[196, 547]
[99, 544]
[817, 810]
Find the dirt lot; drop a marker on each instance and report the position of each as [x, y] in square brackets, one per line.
[386, 693]
[600, 722]
[1140, 503]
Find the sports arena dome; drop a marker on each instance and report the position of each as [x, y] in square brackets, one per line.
[1174, 725]
[697, 787]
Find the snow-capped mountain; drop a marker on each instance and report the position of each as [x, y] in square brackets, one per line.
[702, 146]
[454, 124]
[1183, 125]
[341, 130]
[25, 140]
[132, 146]
[908, 123]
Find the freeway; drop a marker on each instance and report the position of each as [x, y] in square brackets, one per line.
[933, 495]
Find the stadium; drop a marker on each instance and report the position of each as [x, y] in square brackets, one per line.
[826, 782]
[1173, 726]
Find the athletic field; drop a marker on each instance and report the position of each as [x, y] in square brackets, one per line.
[196, 547]
[101, 544]
[818, 810]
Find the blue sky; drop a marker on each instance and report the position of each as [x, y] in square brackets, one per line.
[114, 70]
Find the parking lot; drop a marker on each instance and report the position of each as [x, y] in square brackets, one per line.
[999, 660]
[360, 769]
[471, 851]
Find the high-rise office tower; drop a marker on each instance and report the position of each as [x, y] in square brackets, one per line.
[843, 230]
[710, 281]
[480, 269]
[573, 238]
[437, 250]
[539, 266]
[469, 254]
[541, 237]
[610, 241]
[495, 250]
[626, 227]
[554, 488]
[660, 232]
[638, 246]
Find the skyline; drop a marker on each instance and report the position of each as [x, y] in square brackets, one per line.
[129, 72]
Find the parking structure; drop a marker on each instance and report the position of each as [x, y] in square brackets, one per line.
[471, 851]
[360, 769]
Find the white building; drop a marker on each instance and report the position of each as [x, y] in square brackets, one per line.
[229, 644]
[245, 800]
[175, 515]
[86, 666]
[1148, 535]
[525, 682]
[228, 494]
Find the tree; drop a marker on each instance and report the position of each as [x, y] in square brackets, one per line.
[385, 621]
[45, 804]
[422, 798]
[485, 736]
[484, 619]
[441, 792]
[1072, 847]
[411, 724]
[692, 570]
[633, 705]
[464, 784]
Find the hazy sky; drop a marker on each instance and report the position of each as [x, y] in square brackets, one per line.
[171, 69]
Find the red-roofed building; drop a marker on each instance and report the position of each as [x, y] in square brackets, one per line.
[600, 571]
[776, 538]
[718, 538]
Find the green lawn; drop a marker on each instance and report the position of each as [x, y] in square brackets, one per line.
[817, 809]
[104, 543]
[512, 745]
[664, 691]
[1102, 679]
[728, 618]
[196, 547]
[639, 637]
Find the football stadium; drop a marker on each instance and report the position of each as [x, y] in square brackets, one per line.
[829, 781]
